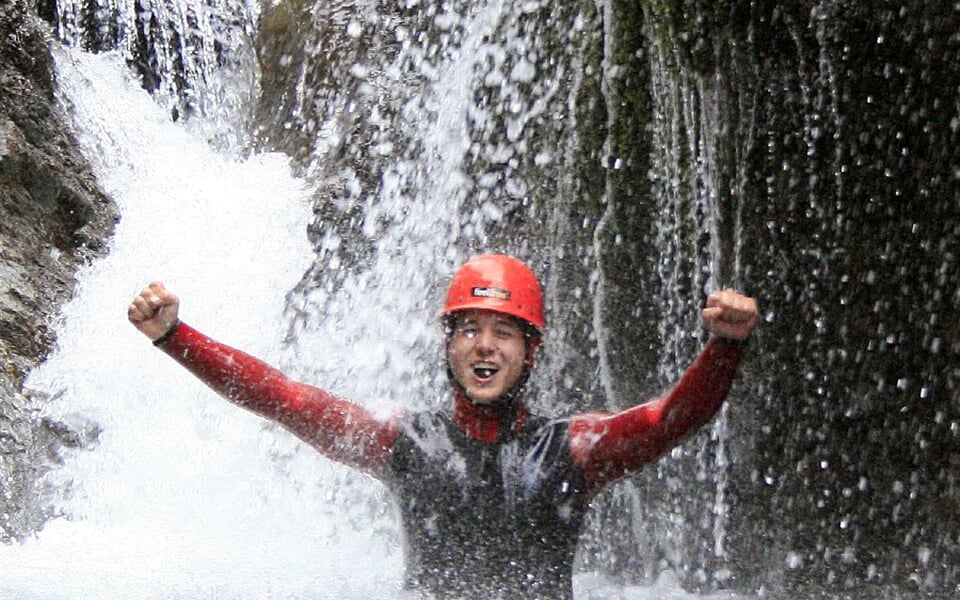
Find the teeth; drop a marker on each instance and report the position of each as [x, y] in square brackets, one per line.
[484, 372]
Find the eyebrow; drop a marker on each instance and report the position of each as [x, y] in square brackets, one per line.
[500, 320]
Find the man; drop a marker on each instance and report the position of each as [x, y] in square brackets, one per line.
[492, 498]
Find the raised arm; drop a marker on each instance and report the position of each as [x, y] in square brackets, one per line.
[608, 445]
[342, 430]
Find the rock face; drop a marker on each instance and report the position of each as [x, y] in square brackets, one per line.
[53, 218]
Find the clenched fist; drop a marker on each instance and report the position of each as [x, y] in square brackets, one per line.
[154, 311]
[730, 314]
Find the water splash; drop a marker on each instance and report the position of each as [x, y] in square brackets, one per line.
[429, 211]
[180, 494]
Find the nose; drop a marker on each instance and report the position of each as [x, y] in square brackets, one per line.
[486, 341]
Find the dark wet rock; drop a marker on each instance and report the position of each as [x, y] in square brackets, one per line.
[53, 219]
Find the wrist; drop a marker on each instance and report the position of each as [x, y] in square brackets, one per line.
[730, 340]
[167, 334]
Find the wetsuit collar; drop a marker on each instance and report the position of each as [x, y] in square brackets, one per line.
[494, 422]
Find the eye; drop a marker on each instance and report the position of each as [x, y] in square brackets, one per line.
[468, 331]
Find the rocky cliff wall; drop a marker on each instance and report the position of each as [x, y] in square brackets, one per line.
[53, 219]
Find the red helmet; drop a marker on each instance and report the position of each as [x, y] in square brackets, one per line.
[499, 283]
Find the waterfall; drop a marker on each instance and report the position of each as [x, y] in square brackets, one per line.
[194, 56]
[696, 235]
[413, 221]
[177, 494]
[307, 175]
[174, 493]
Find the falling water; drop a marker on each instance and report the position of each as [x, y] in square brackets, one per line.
[177, 494]
[495, 125]
[690, 225]
[414, 224]
[194, 56]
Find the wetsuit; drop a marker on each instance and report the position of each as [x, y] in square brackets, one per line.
[492, 499]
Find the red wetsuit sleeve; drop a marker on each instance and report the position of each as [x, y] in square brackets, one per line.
[606, 446]
[343, 431]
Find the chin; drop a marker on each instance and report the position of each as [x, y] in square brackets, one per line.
[487, 397]
[482, 400]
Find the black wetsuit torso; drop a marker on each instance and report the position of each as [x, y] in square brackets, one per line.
[488, 520]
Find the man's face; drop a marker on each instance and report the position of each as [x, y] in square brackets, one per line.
[486, 353]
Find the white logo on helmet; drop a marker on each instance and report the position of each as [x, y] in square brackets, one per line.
[490, 292]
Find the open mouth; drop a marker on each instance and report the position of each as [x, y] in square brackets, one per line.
[485, 372]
